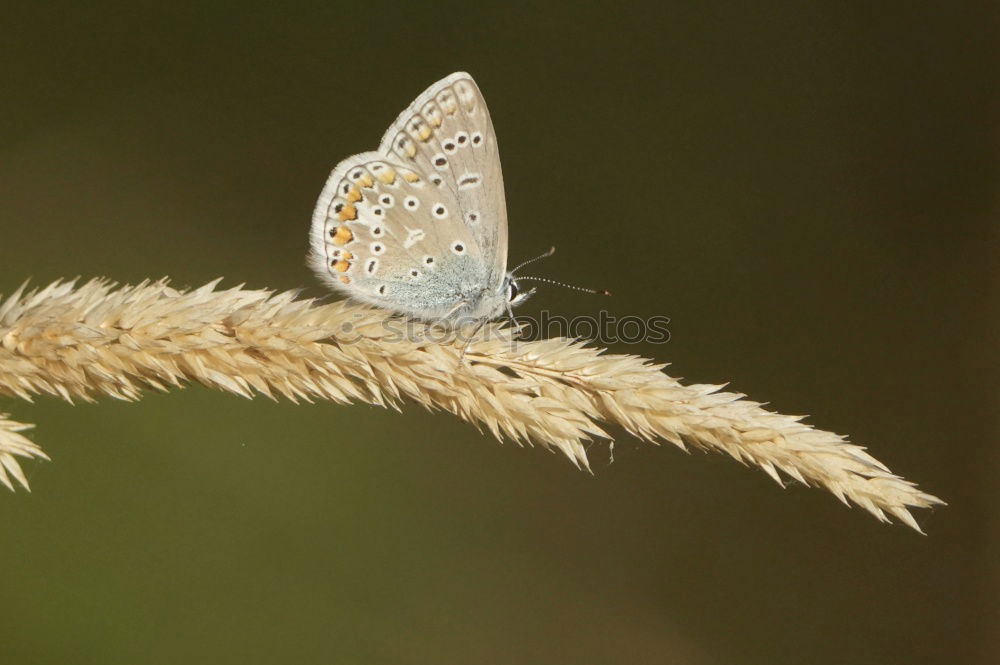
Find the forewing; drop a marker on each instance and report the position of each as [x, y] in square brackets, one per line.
[447, 133]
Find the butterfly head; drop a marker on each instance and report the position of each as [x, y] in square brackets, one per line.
[512, 291]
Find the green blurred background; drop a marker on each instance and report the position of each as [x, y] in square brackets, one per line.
[808, 190]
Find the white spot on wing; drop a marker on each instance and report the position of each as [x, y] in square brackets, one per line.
[413, 237]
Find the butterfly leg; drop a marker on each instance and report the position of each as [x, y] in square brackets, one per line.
[468, 342]
[513, 321]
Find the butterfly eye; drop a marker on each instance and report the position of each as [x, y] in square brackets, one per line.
[477, 139]
[414, 273]
[428, 260]
[458, 247]
[440, 211]
[386, 200]
[440, 161]
[411, 202]
[377, 248]
[450, 147]
[461, 138]
[371, 266]
[471, 217]
[377, 211]
[512, 291]
[377, 231]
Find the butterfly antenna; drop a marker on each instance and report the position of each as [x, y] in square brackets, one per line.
[599, 292]
[552, 250]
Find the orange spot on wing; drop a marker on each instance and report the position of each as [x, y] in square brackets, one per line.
[348, 213]
[342, 236]
[353, 195]
[446, 100]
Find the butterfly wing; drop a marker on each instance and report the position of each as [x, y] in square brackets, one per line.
[447, 133]
[384, 234]
[402, 229]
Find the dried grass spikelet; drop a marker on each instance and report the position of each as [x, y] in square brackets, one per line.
[96, 339]
[13, 444]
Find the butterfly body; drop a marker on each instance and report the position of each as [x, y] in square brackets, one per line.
[419, 226]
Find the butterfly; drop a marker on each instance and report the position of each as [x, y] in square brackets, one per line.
[419, 226]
